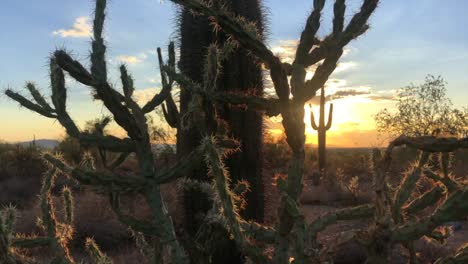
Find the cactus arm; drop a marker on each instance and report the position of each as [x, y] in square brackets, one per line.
[407, 186]
[104, 91]
[161, 219]
[460, 256]
[181, 168]
[59, 97]
[307, 41]
[104, 180]
[312, 120]
[426, 199]
[170, 112]
[58, 238]
[119, 160]
[28, 104]
[98, 62]
[109, 143]
[259, 232]
[451, 184]
[95, 252]
[74, 68]
[234, 27]
[138, 225]
[166, 87]
[338, 19]
[127, 83]
[335, 44]
[321, 74]
[357, 26]
[272, 107]
[67, 198]
[358, 212]
[241, 33]
[38, 97]
[453, 209]
[330, 118]
[217, 170]
[432, 144]
[30, 242]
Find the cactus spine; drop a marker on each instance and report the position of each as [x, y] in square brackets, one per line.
[322, 128]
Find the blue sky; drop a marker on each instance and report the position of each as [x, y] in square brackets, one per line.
[407, 40]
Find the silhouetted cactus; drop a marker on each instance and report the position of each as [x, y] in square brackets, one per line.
[310, 51]
[322, 128]
[56, 234]
[131, 117]
[240, 73]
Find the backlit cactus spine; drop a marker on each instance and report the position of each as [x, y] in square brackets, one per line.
[322, 128]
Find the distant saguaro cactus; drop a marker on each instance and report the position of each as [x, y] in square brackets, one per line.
[322, 128]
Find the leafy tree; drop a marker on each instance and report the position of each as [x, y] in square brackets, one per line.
[423, 110]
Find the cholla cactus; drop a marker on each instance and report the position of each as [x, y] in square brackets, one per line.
[56, 234]
[322, 128]
[131, 117]
[395, 219]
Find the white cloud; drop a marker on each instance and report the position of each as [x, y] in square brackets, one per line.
[129, 59]
[80, 29]
[140, 57]
[142, 96]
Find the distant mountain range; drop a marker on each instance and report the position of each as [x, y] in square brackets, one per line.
[52, 143]
[43, 143]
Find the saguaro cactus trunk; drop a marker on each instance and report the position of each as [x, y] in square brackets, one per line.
[242, 74]
[322, 128]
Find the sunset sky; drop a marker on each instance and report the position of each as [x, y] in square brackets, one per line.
[407, 41]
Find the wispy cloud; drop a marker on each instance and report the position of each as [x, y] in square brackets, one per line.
[144, 95]
[80, 29]
[129, 59]
[133, 59]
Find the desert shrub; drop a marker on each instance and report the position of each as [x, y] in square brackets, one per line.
[20, 174]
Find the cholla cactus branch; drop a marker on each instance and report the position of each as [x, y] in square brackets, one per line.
[407, 186]
[38, 97]
[68, 204]
[424, 200]
[28, 104]
[338, 19]
[166, 85]
[460, 257]
[170, 112]
[109, 143]
[451, 184]
[431, 143]
[96, 254]
[178, 170]
[59, 97]
[57, 233]
[271, 106]
[138, 225]
[30, 242]
[358, 212]
[220, 176]
[105, 180]
[127, 83]
[453, 209]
